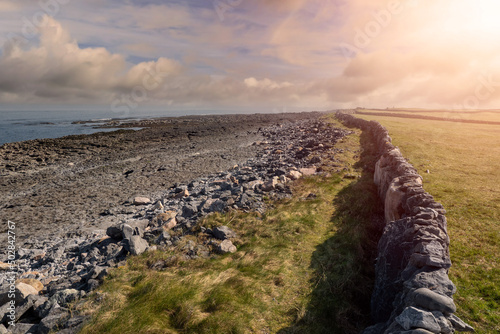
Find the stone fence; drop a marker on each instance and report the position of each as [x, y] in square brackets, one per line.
[412, 292]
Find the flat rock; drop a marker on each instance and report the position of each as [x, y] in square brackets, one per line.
[432, 301]
[22, 328]
[141, 201]
[459, 324]
[307, 171]
[23, 290]
[33, 282]
[412, 318]
[167, 220]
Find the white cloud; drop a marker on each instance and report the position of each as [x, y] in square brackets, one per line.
[265, 83]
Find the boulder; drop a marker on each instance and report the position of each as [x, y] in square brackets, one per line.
[136, 245]
[53, 321]
[223, 232]
[115, 232]
[227, 246]
[127, 231]
[413, 317]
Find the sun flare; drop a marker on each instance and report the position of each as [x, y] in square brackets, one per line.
[480, 16]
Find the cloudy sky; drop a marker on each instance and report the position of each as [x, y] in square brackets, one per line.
[250, 54]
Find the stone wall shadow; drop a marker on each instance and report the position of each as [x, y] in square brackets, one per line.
[344, 264]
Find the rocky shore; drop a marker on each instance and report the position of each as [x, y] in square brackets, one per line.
[83, 204]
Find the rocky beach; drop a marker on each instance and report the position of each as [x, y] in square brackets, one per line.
[81, 204]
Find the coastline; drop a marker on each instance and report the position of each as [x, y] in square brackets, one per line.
[52, 187]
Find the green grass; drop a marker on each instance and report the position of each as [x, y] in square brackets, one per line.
[478, 115]
[305, 266]
[463, 162]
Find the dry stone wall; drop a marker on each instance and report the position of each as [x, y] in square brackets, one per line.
[412, 292]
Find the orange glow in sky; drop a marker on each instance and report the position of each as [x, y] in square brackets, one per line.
[263, 54]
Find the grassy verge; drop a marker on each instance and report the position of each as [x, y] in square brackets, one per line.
[305, 266]
[463, 162]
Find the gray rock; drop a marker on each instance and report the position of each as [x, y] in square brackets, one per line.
[394, 249]
[98, 273]
[445, 324]
[65, 297]
[21, 309]
[43, 310]
[23, 291]
[223, 232]
[7, 312]
[217, 206]
[415, 318]
[433, 301]
[115, 232]
[271, 184]
[136, 245]
[459, 324]
[53, 321]
[189, 210]
[415, 331]
[139, 225]
[21, 328]
[227, 246]
[435, 280]
[3, 330]
[75, 323]
[127, 231]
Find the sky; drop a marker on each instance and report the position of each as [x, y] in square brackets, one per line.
[264, 55]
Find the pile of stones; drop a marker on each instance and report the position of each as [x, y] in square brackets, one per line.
[53, 273]
[412, 293]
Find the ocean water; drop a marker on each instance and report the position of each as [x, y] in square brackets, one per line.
[26, 125]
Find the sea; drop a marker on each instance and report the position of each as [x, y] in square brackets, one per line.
[16, 125]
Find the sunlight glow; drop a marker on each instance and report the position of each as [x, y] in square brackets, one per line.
[479, 16]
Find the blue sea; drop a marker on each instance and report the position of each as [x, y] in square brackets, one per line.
[26, 125]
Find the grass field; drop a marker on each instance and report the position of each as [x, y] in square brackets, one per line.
[463, 160]
[305, 266]
[488, 116]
